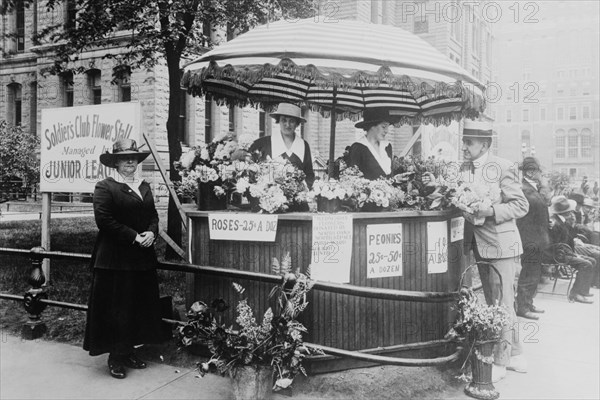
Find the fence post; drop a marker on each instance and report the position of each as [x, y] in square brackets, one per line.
[35, 327]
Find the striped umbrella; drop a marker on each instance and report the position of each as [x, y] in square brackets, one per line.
[338, 68]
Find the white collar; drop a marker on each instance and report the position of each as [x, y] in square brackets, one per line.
[531, 182]
[381, 156]
[278, 146]
[133, 181]
[478, 163]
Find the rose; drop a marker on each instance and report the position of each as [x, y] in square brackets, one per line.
[219, 305]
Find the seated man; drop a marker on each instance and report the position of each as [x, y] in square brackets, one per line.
[562, 222]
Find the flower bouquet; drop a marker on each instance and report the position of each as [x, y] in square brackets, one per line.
[202, 164]
[473, 197]
[329, 194]
[275, 342]
[480, 326]
[277, 186]
[423, 182]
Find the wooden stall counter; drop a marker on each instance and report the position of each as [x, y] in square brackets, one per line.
[403, 250]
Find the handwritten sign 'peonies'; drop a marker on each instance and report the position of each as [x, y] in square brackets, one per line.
[73, 138]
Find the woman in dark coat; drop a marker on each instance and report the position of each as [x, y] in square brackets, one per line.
[286, 143]
[124, 300]
[372, 154]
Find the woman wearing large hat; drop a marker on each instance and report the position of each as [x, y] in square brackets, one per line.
[372, 154]
[124, 300]
[287, 143]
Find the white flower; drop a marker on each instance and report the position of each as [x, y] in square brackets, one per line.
[187, 159]
[245, 141]
[242, 185]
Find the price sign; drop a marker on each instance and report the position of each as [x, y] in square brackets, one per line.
[437, 247]
[246, 227]
[384, 250]
[457, 229]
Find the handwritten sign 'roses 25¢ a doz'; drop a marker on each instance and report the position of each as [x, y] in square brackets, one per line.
[73, 138]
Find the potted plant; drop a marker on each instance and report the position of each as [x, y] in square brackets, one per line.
[259, 356]
[329, 194]
[479, 326]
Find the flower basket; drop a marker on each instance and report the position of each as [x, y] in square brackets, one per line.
[207, 200]
[481, 386]
[328, 205]
[252, 382]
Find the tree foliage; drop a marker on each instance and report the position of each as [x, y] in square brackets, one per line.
[149, 32]
[18, 154]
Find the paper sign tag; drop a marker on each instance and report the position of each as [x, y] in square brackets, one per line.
[457, 229]
[384, 250]
[437, 247]
[246, 227]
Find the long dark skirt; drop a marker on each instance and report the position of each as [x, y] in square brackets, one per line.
[123, 311]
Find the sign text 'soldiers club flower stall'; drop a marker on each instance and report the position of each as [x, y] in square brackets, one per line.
[418, 251]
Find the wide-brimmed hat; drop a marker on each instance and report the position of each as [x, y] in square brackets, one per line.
[588, 202]
[477, 129]
[123, 147]
[289, 110]
[374, 116]
[561, 205]
[577, 197]
[530, 164]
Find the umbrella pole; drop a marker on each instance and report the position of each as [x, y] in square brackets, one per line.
[332, 135]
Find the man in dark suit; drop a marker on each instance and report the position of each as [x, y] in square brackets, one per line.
[562, 221]
[535, 236]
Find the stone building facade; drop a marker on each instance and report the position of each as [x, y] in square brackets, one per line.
[27, 88]
[548, 90]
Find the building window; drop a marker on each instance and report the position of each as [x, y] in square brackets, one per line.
[573, 144]
[67, 83]
[508, 115]
[573, 91]
[586, 90]
[207, 121]
[560, 113]
[559, 143]
[526, 140]
[15, 104]
[95, 85]
[475, 37]
[542, 114]
[560, 89]
[376, 12]
[525, 115]
[585, 112]
[33, 107]
[70, 14]
[20, 13]
[421, 25]
[572, 112]
[124, 87]
[586, 143]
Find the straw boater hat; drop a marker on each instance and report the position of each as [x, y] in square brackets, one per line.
[577, 197]
[477, 129]
[373, 116]
[289, 110]
[123, 147]
[588, 202]
[561, 205]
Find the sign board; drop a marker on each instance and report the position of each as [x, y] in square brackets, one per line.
[384, 250]
[242, 227]
[73, 138]
[331, 247]
[437, 247]
[457, 229]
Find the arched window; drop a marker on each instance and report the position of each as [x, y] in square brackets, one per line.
[572, 144]
[67, 89]
[559, 142]
[585, 141]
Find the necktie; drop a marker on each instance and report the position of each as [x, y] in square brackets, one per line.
[468, 166]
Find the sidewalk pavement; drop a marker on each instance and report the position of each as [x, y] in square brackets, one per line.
[562, 349]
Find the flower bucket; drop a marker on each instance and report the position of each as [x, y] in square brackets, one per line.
[252, 382]
[481, 386]
[207, 200]
[328, 205]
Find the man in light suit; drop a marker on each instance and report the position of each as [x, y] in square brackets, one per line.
[497, 240]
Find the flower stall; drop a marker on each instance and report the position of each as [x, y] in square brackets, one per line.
[401, 233]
